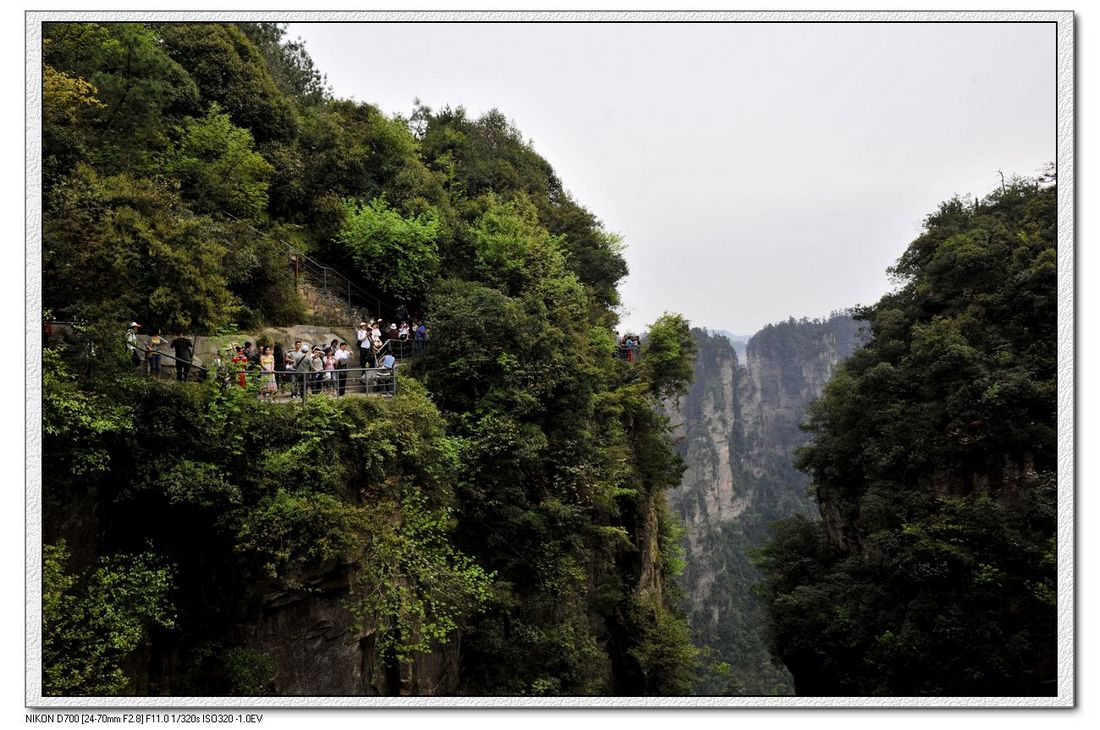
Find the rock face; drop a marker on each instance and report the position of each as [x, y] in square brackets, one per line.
[709, 416]
[738, 429]
[312, 639]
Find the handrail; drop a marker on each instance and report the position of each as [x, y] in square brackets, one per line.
[324, 270]
[628, 353]
[418, 347]
[139, 348]
[285, 386]
[190, 362]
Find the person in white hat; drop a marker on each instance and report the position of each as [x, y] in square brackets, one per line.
[363, 335]
[131, 342]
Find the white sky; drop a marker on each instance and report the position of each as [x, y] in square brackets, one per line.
[756, 171]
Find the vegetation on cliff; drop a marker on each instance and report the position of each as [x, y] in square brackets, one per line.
[508, 502]
[933, 460]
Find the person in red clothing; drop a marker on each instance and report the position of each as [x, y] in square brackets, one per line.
[240, 362]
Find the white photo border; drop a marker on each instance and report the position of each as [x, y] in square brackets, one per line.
[1065, 160]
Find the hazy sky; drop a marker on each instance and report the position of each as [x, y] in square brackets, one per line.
[755, 171]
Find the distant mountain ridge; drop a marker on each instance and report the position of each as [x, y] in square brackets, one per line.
[739, 342]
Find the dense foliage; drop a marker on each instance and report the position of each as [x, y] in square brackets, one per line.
[507, 504]
[91, 629]
[933, 459]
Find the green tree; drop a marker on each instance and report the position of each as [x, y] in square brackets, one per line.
[77, 426]
[288, 62]
[669, 355]
[117, 248]
[89, 630]
[141, 88]
[230, 71]
[594, 254]
[397, 254]
[217, 167]
[511, 248]
[68, 103]
[932, 461]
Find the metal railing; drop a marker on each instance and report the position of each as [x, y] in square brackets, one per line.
[331, 283]
[75, 345]
[278, 385]
[289, 386]
[275, 385]
[627, 353]
[402, 349]
[152, 364]
[329, 280]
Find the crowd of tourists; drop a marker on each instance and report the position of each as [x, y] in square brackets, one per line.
[151, 353]
[308, 369]
[629, 349]
[374, 338]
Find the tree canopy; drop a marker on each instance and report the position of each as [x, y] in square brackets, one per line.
[506, 505]
[933, 463]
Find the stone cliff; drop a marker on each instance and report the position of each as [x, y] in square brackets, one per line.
[738, 429]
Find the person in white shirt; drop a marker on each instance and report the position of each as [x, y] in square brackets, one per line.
[342, 356]
[132, 341]
[403, 335]
[376, 341]
[363, 335]
[303, 365]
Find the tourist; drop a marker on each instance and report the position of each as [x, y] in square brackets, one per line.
[153, 349]
[385, 378]
[342, 356]
[303, 364]
[185, 352]
[329, 362]
[217, 369]
[376, 342]
[317, 367]
[252, 361]
[420, 332]
[288, 373]
[363, 335]
[132, 341]
[240, 364]
[267, 365]
[280, 359]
